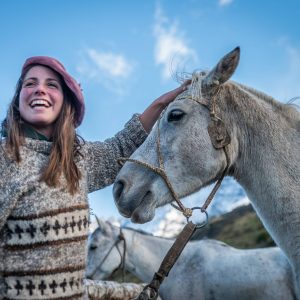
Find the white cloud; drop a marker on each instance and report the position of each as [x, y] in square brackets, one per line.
[171, 47]
[108, 68]
[291, 79]
[115, 65]
[225, 2]
[287, 85]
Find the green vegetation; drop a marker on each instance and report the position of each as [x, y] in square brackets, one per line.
[240, 228]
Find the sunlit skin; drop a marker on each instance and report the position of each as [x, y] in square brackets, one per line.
[41, 99]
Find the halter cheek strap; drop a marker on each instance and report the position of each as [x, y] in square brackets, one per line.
[122, 256]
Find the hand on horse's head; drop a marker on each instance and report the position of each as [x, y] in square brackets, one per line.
[151, 114]
[170, 96]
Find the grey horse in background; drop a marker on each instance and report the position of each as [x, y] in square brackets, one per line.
[206, 269]
[263, 154]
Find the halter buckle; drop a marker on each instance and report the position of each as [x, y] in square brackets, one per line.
[218, 133]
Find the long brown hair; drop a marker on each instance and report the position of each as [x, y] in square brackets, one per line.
[66, 142]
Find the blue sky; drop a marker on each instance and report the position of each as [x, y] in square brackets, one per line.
[126, 53]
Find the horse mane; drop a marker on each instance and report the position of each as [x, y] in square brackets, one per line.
[143, 232]
[288, 109]
[147, 233]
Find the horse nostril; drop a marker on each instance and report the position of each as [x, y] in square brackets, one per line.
[118, 189]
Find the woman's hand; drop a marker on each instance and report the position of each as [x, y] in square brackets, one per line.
[151, 114]
[168, 97]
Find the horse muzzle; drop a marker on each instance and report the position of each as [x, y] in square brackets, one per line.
[137, 206]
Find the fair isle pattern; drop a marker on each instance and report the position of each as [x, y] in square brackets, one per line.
[50, 228]
[64, 284]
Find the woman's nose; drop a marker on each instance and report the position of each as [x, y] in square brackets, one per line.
[40, 90]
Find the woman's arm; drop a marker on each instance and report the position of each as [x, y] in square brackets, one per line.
[101, 158]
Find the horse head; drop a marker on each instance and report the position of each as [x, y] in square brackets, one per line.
[103, 253]
[190, 157]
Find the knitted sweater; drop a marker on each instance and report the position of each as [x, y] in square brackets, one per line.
[43, 230]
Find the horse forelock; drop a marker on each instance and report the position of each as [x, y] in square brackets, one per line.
[195, 89]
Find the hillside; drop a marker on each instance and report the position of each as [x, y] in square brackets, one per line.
[239, 228]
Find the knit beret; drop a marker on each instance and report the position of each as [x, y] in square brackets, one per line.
[70, 82]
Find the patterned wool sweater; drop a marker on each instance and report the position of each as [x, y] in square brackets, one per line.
[43, 230]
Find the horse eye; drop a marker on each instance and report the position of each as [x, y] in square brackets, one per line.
[92, 247]
[175, 115]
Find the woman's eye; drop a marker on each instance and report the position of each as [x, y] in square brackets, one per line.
[51, 84]
[28, 83]
[175, 115]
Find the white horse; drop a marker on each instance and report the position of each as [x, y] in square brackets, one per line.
[206, 269]
[263, 154]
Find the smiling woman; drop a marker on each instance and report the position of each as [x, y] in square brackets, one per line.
[47, 172]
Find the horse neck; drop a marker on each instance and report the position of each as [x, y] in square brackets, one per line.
[144, 253]
[267, 143]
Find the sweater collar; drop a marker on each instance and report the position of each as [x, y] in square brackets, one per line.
[30, 132]
[34, 140]
[41, 146]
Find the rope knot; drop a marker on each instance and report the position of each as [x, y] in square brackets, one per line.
[187, 212]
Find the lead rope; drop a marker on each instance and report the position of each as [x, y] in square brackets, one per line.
[167, 263]
[123, 256]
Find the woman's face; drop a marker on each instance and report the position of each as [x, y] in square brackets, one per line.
[41, 99]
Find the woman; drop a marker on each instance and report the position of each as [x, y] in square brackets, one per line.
[47, 173]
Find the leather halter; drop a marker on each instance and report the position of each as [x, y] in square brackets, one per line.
[219, 138]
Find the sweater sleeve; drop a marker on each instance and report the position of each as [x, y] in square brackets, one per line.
[101, 157]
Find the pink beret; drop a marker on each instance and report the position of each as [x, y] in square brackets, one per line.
[68, 79]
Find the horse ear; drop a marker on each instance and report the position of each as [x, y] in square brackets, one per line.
[105, 226]
[98, 221]
[223, 70]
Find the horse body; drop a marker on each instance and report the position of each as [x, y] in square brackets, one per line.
[263, 155]
[206, 269]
